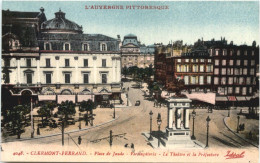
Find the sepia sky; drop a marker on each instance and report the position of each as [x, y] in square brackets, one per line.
[188, 21]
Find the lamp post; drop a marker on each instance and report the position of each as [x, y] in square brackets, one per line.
[32, 124]
[151, 114]
[193, 118]
[159, 122]
[114, 109]
[79, 121]
[238, 117]
[207, 143]
[228, 111]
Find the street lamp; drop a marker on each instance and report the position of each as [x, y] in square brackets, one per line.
[193, 117]
[151, 114]
[238, 117]
[207, 143]
[32, 124]
[159, 122]
[114, 109]
[228, 111]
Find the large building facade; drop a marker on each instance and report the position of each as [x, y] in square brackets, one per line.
[62, 64]
[136, 54]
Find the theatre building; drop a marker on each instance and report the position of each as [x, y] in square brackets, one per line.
[53, 60]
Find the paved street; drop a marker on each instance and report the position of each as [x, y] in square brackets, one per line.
[134, 121]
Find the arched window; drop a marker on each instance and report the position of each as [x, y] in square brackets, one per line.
[85, 47]
[66, 46]
[103, 47]
[47, 46]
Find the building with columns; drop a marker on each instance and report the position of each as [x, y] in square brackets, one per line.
[136, 54]
[59, 62]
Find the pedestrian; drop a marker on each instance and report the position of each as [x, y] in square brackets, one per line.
[126, 145]
[38, 130]
[79, 140]
[160, 104]
[132, 146]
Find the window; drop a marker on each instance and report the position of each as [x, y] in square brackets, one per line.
[216, 52]
[224, 52]
[85, 47]
[104, 63]
[103, 47]
[230, 90]
[201, 60]
[186, 80]
[223, 71]
[47, 46]
[67, 63]
[253, 53]
[245, 71]
[178, 68]
[216, 71]
[66, 46]
[248, 80]
[224, 62]
[235, 80]
[223, 81]
[209, 60]
[238, 62]
[236, 71]
[230, 80]
[238, 53]
[67, 78]
[231, 62]
[237, 90]
[48, 78]
[186, 68]
[252, 71]
[201, 68]
[250, 90]
[216, 62]
[195, 68]
[241, 80]
[85, 62]
[85, 78]
[231, 52]
[209, 68]
[208, 79]
[186, 60]
[252, 62]
[104, 78]
[215, 80]
[193, 80]
[241, 71]
[201, 80]
[29, 78]
[28, 62]
[245, 53]
[244, 91]
[48, 62]
[245, 62]
[178, 60]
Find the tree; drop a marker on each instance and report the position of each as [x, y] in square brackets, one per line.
[176, 86]
[46, 111]
[66, 109]
[125, 71]
[16, 119]
[87, 106]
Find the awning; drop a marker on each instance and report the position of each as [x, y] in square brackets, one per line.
[204, 97]
[241, 98]
[85, 97]
[248, 98]
[65, 98]
[232, 98]
[47, 97]
[221, 98]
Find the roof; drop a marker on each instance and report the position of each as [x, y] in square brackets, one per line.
[130, 35]
[18, 14]
[60, 23]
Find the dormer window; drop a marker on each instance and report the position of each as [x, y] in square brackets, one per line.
[47, 46]
[103, 47]
[85, 47]
[66, 46]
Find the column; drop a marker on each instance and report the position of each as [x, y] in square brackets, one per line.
[38, 71]
[178, 123]
[113, 70]
[118, 73]
[170, 118]
[18, 71]
[77, 71]
[57, 69]
[186, 118]
[95, 68]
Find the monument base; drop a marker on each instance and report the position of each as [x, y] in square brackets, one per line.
[178, 138]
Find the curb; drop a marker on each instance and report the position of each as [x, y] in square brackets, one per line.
[68, 132]
[237, 134]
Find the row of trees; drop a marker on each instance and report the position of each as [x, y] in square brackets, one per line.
[17, 118]
[138, 73]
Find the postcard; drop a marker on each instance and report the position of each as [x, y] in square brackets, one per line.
[130, 81]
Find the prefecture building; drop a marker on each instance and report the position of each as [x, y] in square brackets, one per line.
[54, 60]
